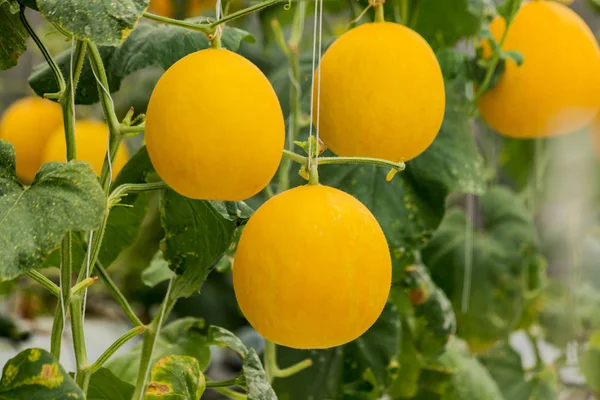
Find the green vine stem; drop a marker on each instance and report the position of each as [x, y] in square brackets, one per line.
[404, 11]
[83, 284]
[125, 189]
[379, 14]
[151, 335]
[81, 358]
[398, 166]
[493, 63]
[271, 368]
[291, 50]
[60, 80]
[45, 282]
[230, 393]
[118, 295]
[113, 348]
[230, 382]
[209, 28]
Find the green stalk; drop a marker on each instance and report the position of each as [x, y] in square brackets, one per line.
[114, 125]
[81, 358]
[404, 11]
[118, 295]
[113, 348]
[82, 285]
[227, 383]
[45, 282]
[150, 337]
[291, 49]
[272, 370]
[230, 393]
[379, 14]
[209, 29]
[399, 166]
[125, 189]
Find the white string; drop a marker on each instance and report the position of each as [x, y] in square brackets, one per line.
[466, 292]
[317, 37]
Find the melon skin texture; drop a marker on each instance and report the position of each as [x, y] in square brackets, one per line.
[381, 93]
[312, 269]
[557, 88]
[214, 127]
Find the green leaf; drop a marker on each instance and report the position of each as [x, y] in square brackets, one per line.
[104, 385]
[158, 271]
[147, 45]
[176, 378]
[469, 381]
[63, 197]
[501, 253]
[29, 3]
[13, 41]
[590, 364]
[434, 319]
[33, 373]
[444, 23]
[256, 380]
[182, 337]
[356, 370]
[104, 22]
[196, 235]
[411, 206]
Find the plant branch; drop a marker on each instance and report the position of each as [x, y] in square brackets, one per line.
[230, 382]
[114, 347]
[60, 80]
[81, 358]
[230, 393]
[272, 369]
[125, 189]
[150, 337]
[118, 295]
[45, 282]
[83, 284]
[399, 166]
[209, 28]
[128, 131]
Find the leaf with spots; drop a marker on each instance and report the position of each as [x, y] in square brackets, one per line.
[13, 41]
[104, 385]
[36, 374]
[222, 337]
[176, 377]
[104, 22]
[147, 45]
[186, 337]
[33, 219]
[196, 236]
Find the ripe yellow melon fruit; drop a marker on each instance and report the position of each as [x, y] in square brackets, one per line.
[166, 8]
[214, 127]
[91, 138]
[382, 93]
[28, 124]
[312, 268]
[557, 88]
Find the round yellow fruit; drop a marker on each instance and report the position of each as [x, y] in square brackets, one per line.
[28, 124]
[91, 138]
[312, 269]
[382, 93]
[557, 88]
[214, 127]
[192, 7]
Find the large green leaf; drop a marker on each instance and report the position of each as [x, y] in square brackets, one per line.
[147, 45]
[501, 253]
[176, 377]
[104, 22]
[13, 41]
[63, 197]
[185, 336]
[196, 235]
[444, 23]
[357, 370]
[411, 206]
[104, 385]
[469, 379]
[36, 374]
